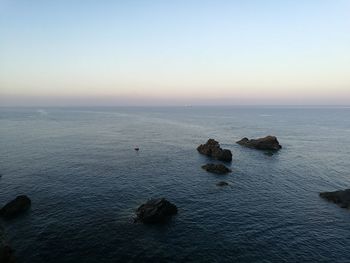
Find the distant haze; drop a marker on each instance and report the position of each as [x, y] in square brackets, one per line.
[57, 53]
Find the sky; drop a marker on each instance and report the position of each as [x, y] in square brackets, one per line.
[184, 52]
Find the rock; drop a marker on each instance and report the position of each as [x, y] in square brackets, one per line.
[269, 143]
[341, 198]
[6, 253]
[212, 149]
[155, 211]
[216, 168]
[222, 183]
[15, 207]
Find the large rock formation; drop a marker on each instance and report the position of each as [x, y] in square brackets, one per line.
[216, 168]
[341, 198]
[269, 143]
[15, 207]
[155, 211]
[212, 149]
[6, 253]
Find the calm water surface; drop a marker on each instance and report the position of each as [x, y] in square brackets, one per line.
[85, 180]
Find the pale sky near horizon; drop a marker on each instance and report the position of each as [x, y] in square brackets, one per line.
[174, 52]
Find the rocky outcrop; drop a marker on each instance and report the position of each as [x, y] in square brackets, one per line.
[6, 253]
[222, 183]
[15, 207]
[341, 198]
[269, 143]
[155, 211]
[216, 168]
[212, 149]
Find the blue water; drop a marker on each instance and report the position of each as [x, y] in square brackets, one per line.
[85, 180]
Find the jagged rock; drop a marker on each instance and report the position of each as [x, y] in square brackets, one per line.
[222, 183]
[341, 198]
[269, 143]
[212, 149]
[155, 211]
[20, 204]
[216, 168]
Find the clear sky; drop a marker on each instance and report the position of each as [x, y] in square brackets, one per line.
[174, 52]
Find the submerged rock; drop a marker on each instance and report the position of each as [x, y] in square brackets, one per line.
[269, 143]
[341, 198]
[222, 183]
[155, 211]
[6, 252]
[212, 149]
[20, 204]
[216, 168]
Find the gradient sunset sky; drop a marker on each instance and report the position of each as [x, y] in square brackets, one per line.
[174, 52]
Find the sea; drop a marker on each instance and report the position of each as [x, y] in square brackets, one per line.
[79, 167]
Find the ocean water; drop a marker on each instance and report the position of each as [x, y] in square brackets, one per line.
[79, 167]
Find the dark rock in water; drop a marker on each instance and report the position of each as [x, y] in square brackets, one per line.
[212, 149]
[222, 183]
[341, 198]
[155, 211]
[15, 207]
[269, 153]
[216, 168]
[6, 253]
[269, 143]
